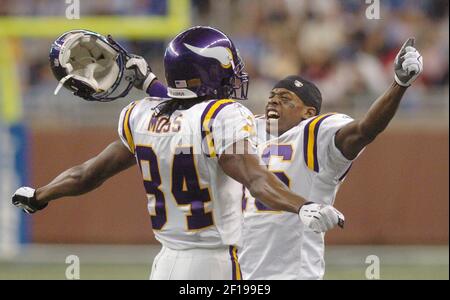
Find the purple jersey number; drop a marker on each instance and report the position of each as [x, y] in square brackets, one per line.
[185, 188]
[187, 191]
[283, 151]
[146, 155]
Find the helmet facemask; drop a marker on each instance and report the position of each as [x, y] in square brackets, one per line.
[240, 80]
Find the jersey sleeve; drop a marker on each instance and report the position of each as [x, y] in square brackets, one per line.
[125, 126]
[320, 151]
[323, 157]
[225, 122]
[157, 90]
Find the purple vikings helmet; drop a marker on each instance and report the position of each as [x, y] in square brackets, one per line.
[203, 62]
[89, 65]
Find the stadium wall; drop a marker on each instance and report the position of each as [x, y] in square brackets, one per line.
[396, 193]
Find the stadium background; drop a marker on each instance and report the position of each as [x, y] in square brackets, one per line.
[395, 198]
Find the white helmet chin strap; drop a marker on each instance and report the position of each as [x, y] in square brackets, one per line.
[90, 60]
[87, 80]
[61, 83]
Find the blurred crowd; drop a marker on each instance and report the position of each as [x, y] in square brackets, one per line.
[332, 42]
[335, 44]
[95, 7]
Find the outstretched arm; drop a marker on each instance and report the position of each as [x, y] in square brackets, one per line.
[262, 184]
[79, 179]
[353, 137]
[265, 186]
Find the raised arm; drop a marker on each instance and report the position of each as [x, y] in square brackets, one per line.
[353, 137]
[77, 180]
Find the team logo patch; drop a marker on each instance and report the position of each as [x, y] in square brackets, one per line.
[222, 54]
[298, 83]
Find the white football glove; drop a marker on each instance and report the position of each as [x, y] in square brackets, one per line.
[408, 64]
[25, 198]
[320, 218]
[143, 73]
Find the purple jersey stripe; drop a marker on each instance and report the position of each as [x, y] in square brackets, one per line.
[305, 140]
[202, 119]
[239, 272]
[233, 265]
[215, 113]
[221, 106]
[244, 199]
[316, 131]
[126, 122]
[157, 89]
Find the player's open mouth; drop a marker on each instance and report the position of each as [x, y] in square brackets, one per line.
[272, 114]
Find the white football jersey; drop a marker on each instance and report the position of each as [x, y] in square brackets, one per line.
[276, 244]
[191, 201]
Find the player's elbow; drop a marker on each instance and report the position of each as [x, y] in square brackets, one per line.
[256, 191]
[255, 185]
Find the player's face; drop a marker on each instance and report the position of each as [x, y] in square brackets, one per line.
[285, 110]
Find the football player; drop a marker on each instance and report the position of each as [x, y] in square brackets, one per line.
[311, 154]
[185, 150]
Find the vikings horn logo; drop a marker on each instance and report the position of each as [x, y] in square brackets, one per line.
[222, 54]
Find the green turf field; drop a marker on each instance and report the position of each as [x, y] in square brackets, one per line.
[129, 271]
[134, 263]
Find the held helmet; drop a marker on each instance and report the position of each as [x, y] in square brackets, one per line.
[89, 65]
